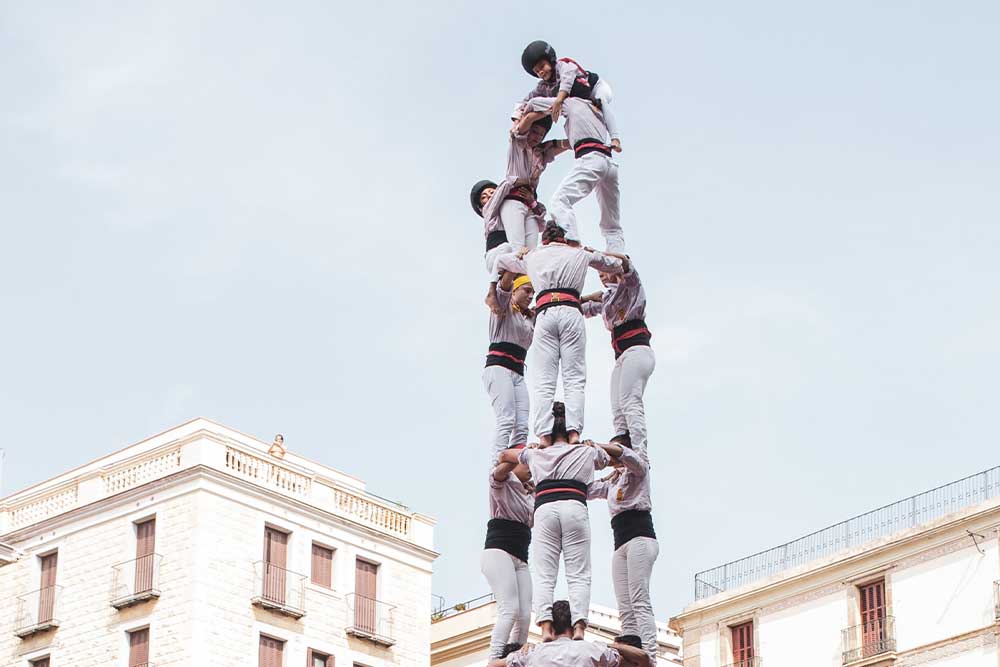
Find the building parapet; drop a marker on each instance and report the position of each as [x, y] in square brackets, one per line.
[203, 443]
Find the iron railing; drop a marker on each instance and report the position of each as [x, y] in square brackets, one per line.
[746, 662]
[996, 600]
[369, 618]
[37, 611]
[854, 532]
[135, 580]
[279, 589]
[442, 612]
[873, 637]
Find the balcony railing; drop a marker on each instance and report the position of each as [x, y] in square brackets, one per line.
[279, 589]
[37, 611]
[746, 662]
[885, 521]
[370, 619]
[996, 600]
[874, 637]
[135, 581]
[440, 612]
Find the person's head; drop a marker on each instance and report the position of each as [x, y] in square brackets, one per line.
[562, 619]
[623, 439]
[559, 423]
[539, 59]
[512, 647]
[523, 293]
[608, 279]
[629, 640]
[280, 439]
[538, 131]
[481, 194]
[553, 233]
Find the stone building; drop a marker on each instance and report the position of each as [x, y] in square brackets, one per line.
[911, 583]
[196, 548]
[460, 635]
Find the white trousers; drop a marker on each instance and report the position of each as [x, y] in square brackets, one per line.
[510, 581]
[561, 527]
[628, 383]
[560, 340]
[521, 227]
[509, 394]
[602, 93]
[631, 568]
[594, 172]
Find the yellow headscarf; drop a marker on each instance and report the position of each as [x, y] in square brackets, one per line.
[521, 281]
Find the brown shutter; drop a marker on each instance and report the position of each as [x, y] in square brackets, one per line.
[47, 592]
[743, 644]
[322, 566]
[41, 662]
[270, 652]
[317, 659]
[145, 545]
[138, 648]
[365, 578]
[275, 554]
[873, 613]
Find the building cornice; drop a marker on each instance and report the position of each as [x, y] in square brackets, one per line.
[826, 572]
[205, 472]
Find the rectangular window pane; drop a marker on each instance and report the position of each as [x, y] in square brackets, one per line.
[40, 662]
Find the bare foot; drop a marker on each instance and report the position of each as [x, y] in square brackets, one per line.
[545, 440]
[547, 634]
[616, 145]
[573, 437]
[578, 630]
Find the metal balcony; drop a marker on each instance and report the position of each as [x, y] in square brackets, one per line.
[279, 590]
[746, 662]
[37, 611]
[996, 600]
[873, 638]
[135, 581]
[370, 619]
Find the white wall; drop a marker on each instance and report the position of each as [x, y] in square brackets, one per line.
[811, 628]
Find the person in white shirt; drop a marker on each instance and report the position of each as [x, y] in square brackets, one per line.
[558, 271]
[564, 651]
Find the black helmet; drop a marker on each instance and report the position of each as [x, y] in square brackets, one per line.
[477, 190]
[537, 50]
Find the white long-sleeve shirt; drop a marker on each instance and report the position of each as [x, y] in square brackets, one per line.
[564, 461]
[510, 500]
[583, 120]
[511, 326]
[565, 76]
[558, 265]
[630, 491]
[565, 652]
[620, 302]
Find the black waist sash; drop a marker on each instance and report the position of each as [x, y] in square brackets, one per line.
[551, 490]
[632, 523]
[510, 536]
[590, 145]
[629, 334]
[507, 355]
[557, 296]
[495, 238]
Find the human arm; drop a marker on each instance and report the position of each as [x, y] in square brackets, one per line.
[606, 263]
[591, 308]
[511, 456]
[512, 262]
[552, 148]
[633, 462]
[502, 471]
[598, 489]
[614, 450]
[632, 656]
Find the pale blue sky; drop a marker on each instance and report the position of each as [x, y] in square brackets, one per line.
[259, 214]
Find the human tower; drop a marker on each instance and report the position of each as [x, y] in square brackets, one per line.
[539, 491]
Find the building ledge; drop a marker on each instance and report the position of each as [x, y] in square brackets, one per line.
[277, 607]
[31, 630]
[881, 660]
[137, 598]
[8, 554]
[370, 636]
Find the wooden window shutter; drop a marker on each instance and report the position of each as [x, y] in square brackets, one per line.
[47, 592]
[275, 559]
[322, 566]
[873, 617]
[317, 659]
[365, 598]
[269, 654]
[145, 545]
[138, 648]
[40, 662]
[743, 644]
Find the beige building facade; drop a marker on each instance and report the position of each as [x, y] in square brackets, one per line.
[196, 547]
[912, 583]
[460, 635]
